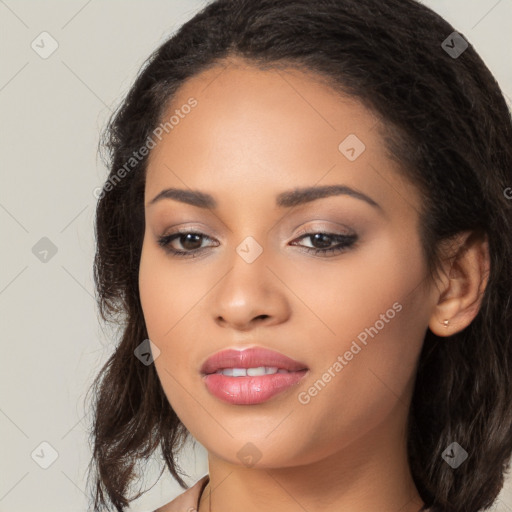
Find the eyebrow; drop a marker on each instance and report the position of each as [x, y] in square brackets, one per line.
[285, 199]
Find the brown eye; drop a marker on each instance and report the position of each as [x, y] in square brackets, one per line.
[321, 242]
[189, 241]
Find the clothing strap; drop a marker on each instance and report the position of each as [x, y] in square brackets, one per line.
[207, 481]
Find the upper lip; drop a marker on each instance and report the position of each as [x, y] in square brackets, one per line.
[250, 358]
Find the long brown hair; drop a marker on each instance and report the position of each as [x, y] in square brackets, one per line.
[449, 128]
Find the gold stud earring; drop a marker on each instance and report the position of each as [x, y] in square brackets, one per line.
[446, 322]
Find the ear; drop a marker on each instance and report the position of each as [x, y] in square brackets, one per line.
[466, 272]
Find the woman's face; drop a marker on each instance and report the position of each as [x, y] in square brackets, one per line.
[354, 317]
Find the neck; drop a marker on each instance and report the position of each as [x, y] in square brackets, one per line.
[370, 473]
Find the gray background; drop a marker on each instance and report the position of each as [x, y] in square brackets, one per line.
[52, 110]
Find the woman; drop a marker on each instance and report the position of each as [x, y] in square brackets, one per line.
[305, 237]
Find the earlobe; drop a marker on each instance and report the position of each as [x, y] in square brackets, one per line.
[463, 285]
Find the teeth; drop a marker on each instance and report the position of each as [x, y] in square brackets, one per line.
[261, 370]
[251, 372]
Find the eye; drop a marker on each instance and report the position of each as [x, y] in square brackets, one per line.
[322, 242]
[190, 240]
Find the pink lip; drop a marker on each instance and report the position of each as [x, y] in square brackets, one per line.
[250, 358]
[250, 390]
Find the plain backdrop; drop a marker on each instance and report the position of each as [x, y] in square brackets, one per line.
[52, 110]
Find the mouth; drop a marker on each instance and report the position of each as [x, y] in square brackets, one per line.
[251, 376]
[253, 362]
[250, 372]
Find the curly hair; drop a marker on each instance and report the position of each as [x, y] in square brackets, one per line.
[449, 129]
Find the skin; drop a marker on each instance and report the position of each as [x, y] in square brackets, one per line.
[253, 135]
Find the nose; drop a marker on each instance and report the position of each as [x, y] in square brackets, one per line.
[250, 295]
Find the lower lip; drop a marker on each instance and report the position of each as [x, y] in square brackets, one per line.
[250, 390]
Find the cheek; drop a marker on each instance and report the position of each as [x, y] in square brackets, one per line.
[170, 298]
[377, 316]
[154, 296]
[165, 293]
[388, 305]
[165, 301]
[379, 278]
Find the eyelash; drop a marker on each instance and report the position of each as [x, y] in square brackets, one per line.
[345, 241]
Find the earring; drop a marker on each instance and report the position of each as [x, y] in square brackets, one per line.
[446, 322]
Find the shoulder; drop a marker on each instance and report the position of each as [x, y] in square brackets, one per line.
[186, 501]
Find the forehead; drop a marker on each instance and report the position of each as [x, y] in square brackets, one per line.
[265, 128]
[242, 101]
